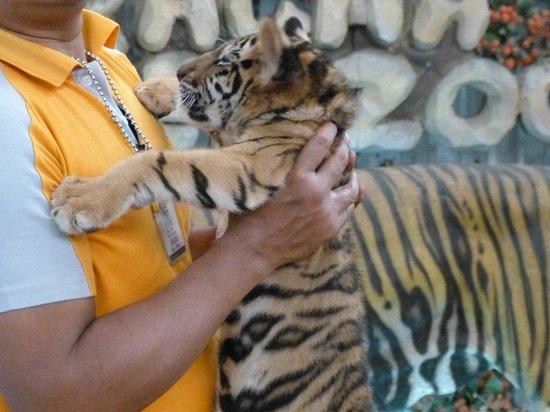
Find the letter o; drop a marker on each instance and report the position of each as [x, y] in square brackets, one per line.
[496, 118]
[535, 105]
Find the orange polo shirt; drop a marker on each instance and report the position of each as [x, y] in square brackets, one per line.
[55, 127]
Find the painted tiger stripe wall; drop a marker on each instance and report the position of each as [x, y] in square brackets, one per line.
[456, 277]
[455, 264]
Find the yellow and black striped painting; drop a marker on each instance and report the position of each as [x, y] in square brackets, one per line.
[456, 264]
[456, 268]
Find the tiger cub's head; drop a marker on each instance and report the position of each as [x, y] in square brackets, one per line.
[268, 77]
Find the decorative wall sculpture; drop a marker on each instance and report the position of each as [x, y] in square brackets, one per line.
[496, 118]
[535, 107]
[386, 81]
[433, 18]
[158, 18]
[410, 57]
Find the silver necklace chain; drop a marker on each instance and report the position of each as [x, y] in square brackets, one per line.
[142, 141]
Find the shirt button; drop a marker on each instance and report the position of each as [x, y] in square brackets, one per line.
[87, 80]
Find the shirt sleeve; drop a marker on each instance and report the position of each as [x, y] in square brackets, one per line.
[38, 264]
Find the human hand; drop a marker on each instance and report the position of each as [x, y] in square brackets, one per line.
[349, 169]
[306, 213]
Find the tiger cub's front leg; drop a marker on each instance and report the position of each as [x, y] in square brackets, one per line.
[227, 179]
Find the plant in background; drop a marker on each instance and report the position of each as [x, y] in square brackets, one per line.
[518, 33]
[491, 392]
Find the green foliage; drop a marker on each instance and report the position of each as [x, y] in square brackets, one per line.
[518, 33]
[522, 4]
[490, 392]
[525, 7]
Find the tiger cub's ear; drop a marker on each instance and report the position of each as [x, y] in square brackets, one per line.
[294, 29]
[278, 63]
[270, 43]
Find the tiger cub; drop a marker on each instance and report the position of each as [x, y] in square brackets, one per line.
[296, 342]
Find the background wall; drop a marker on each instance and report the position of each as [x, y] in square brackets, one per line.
[413, 59]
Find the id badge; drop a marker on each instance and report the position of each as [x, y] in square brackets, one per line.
[170, 231]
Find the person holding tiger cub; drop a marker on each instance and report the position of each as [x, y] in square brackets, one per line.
[105, 321]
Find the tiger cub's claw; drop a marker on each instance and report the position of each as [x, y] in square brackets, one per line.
[85, 205]
[158, 95]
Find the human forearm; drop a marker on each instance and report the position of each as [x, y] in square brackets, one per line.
[142, 350]
[132, 356]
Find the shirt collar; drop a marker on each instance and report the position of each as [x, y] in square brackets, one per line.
[51, 65]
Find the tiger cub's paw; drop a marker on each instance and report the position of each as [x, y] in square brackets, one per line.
[158, 95]
[85, 205]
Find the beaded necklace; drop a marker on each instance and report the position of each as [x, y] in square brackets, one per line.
[142, 141]
[163, 212]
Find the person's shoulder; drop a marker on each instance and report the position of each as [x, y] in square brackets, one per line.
[12, 106]
[122, 63]
[38, 264]
[7, 91]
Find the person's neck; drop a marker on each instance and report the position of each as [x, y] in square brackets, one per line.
[57, 26]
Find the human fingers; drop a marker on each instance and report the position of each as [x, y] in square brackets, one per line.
[334, 166]
[316, 148]
[351, 161]
[346, 195]
[361, 195]
[352, 154]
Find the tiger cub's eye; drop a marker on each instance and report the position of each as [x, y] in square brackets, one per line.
[224, 61]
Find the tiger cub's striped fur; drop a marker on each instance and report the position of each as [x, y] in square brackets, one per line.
[297, 341]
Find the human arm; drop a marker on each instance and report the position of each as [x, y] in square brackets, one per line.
[58, 356]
